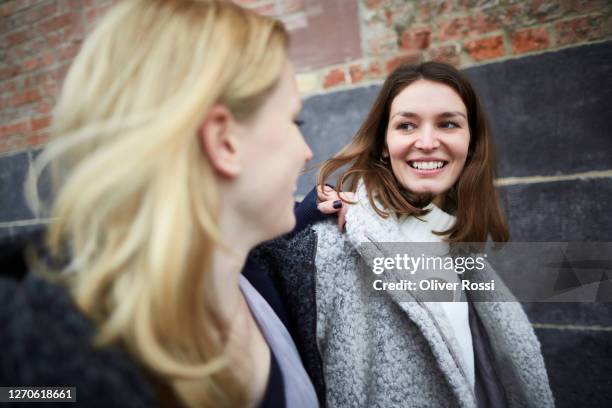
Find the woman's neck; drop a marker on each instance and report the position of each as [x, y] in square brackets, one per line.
[245, 338]
[229, 258]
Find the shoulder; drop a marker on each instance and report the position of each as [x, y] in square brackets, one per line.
[46, 341]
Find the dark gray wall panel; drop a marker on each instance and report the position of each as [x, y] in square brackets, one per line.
[578, 364]
[577, 210]
[550, 113]
[330, 121]
[13, 170]
[581, 314]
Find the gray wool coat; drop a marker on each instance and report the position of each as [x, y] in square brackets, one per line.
[383, 351]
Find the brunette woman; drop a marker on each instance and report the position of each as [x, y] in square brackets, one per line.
[421, 169]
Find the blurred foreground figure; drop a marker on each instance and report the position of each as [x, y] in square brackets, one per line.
[175, 151]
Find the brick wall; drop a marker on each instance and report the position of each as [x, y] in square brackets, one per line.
[461, 32]
[39, 39]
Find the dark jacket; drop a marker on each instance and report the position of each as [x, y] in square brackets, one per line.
[46, 341]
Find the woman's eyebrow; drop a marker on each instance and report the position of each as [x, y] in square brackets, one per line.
[405, 114]
[451, 114]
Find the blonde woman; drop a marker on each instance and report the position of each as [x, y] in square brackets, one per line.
[176, 150]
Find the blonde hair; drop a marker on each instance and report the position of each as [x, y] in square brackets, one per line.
[136, 201]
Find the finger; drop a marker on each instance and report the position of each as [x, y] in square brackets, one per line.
[327, 193]
[342, 217]
[329, 196]
[330, 206]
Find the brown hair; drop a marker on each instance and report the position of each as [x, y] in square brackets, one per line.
[473, 198]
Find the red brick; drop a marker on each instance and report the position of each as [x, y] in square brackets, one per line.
[485, 48]
[8, 86]
[453, 29]
[359, 72]
[30, 64]
[20, 52]
[482, 23]
[47, 59]
[514, 15]
[579, 30]
[55, 23]
[91, 16]
[7, 9]
[395, 62]
[44, 107]
[424, 11]
[37, 139]
[8, 72]
[40, 123]
[37, 13]
[333, 78]
[415, 39]
[446, 53]
[374, 70]
[388, 16]
[372, 4]
[26, 97]
[53, 39]
[14, 128]
[529, 39]
[16, 37]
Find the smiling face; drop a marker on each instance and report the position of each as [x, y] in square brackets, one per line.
[428, 138]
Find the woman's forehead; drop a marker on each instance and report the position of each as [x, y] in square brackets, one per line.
[424, 96]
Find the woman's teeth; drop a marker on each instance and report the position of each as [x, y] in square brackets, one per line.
[431, 165]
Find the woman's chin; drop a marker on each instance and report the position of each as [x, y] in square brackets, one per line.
[283, 225]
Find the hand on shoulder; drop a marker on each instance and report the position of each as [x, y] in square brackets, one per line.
[332, 202]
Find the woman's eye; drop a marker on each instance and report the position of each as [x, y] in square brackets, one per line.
[405, 126]
[449, 125]
[298, 122]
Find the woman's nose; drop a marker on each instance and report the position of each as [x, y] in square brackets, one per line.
[427, 138]
[308, 152]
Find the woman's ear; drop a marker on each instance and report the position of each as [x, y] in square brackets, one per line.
[219, 141]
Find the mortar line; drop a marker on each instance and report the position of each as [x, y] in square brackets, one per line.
[24, 223]
[511, 181]
[571, 327]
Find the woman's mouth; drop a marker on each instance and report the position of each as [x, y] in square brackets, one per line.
[428, 166]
